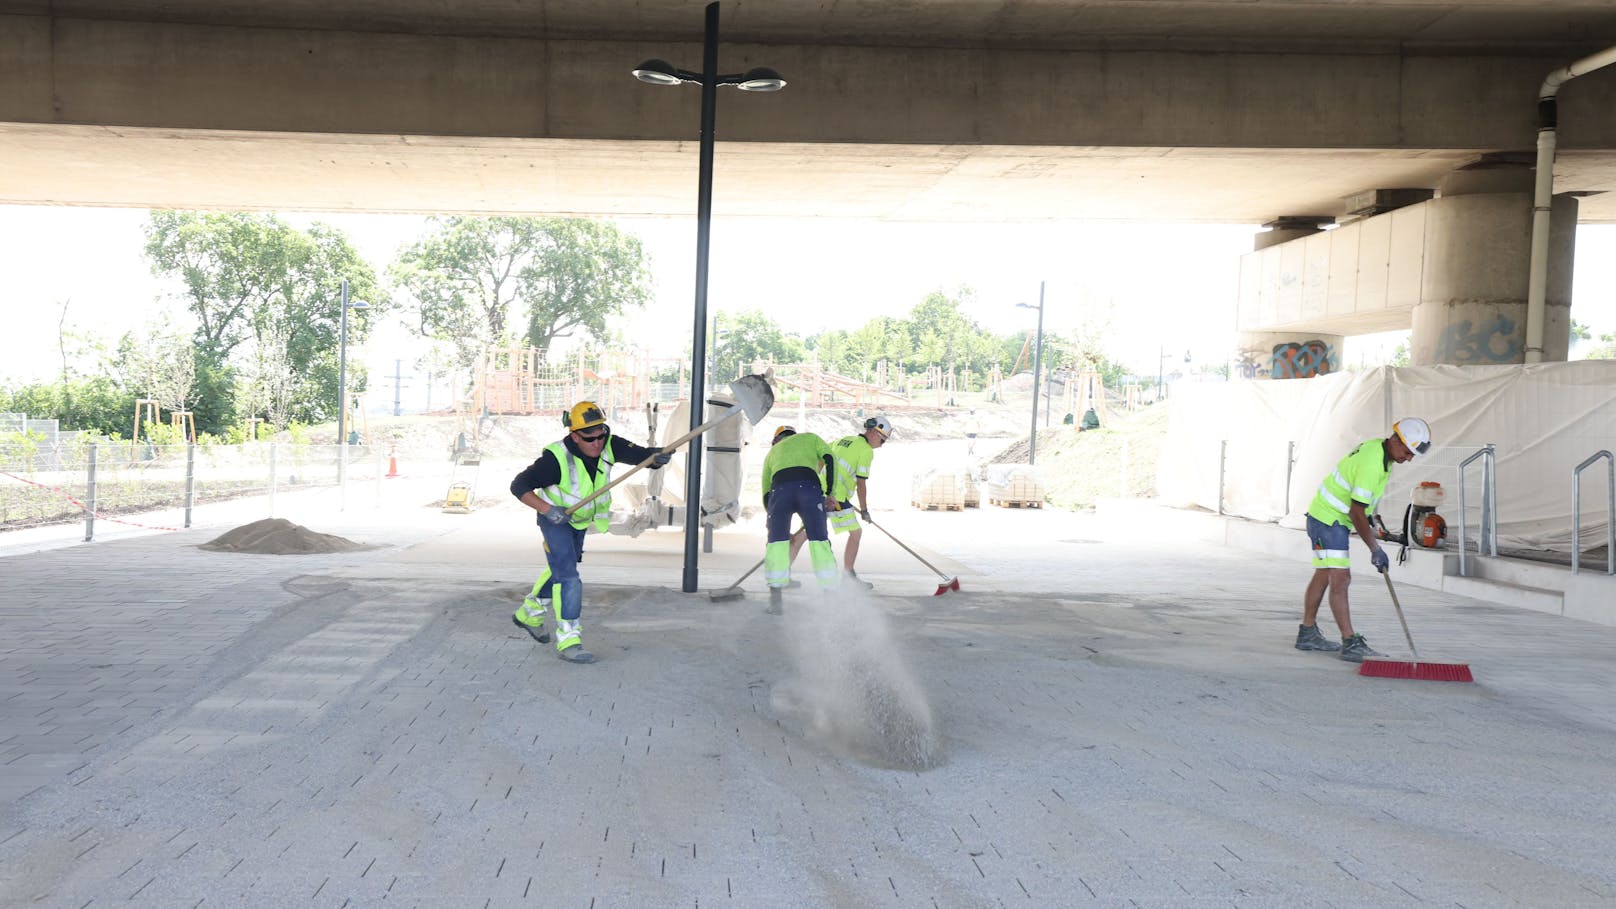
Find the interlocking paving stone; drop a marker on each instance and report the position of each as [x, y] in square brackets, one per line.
[1124, 725]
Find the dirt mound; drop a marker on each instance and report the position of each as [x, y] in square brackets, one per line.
[278, 536]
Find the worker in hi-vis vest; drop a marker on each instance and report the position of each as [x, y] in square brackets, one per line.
[569, 471]
[796, 481]
[1343, 504]
[854, 455]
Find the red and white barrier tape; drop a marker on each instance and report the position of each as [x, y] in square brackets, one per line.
[82, 507]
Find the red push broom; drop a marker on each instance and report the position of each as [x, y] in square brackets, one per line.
[1403, 669]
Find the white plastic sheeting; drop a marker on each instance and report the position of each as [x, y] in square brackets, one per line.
[723, 474]
[1544, 419]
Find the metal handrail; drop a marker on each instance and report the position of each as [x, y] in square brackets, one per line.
[1610, 515]
[1487, 532]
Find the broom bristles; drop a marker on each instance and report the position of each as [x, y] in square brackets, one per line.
[1405, 669]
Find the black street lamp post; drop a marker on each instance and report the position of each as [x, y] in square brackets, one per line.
[342, 396]
[757, 79]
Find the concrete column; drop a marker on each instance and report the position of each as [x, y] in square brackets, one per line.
[1478, 235]
[1287, 354]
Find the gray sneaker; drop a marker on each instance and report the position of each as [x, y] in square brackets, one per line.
[1308, 637]
[1355, 648]
[776, 602]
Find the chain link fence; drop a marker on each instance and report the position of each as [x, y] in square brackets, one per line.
[81, 479]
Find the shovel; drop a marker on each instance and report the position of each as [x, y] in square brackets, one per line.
[753, 397]
[949, 581]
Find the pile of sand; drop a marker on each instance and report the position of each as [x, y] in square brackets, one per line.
[278, 536]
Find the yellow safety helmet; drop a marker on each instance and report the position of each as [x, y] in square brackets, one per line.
[782, 433]
[583, 415]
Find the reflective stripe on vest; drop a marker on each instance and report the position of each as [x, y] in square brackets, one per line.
[1333, 502]
[576, 485]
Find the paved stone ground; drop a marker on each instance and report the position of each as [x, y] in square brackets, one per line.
[1120, 720]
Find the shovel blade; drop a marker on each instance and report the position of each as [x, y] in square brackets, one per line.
[753, 395]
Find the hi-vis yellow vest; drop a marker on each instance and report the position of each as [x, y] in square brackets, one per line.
[576, 485]
[1361, 475]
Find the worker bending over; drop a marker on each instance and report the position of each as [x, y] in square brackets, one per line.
[1345, 499]
[796, 481]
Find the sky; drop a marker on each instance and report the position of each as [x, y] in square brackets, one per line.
[1158, 287]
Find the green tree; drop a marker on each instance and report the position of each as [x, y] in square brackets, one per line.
[251, 280]
[480, 282]
[751, 336]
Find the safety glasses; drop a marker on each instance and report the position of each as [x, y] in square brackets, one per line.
[592, 437]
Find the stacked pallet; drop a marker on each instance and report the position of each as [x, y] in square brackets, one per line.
[1014, 486]
[939, 490]
[971, 492]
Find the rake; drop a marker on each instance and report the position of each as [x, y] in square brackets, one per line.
[950, 582]
[1416, 669]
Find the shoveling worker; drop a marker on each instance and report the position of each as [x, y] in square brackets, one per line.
[854, 456]
[569, 471]
[796, 481]
[1345, 499]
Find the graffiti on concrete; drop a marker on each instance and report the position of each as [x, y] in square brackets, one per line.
[1303, 360]
[1492, 341]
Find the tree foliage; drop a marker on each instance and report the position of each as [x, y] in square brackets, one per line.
[748, 337]
[481, 282]
[253, 282]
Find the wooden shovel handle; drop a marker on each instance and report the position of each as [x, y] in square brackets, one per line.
[666, 449]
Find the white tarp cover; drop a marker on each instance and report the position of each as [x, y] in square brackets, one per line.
[1544, 419]
[724, 472]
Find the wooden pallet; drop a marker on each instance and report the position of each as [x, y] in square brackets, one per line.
[1016, 503]
[940, 507]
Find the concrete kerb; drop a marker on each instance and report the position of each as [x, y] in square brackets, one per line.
[1120, 711]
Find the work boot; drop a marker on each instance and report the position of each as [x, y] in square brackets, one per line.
[577, 654]
[793, 584]
[537, 631]
[1355, 648]
[1308, 637]
[776, 602]
[857, 582]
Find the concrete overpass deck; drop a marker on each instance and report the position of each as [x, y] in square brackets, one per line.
[1121, 719]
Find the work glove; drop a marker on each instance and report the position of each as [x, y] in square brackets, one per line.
[1380, 560]
[556, 515]
[864, 515]
[661, 459]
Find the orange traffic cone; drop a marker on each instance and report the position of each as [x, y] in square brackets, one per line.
[392, 463]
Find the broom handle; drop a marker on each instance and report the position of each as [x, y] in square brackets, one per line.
[1399, 607]
[671, 446]
[742, 579]
[910, 551]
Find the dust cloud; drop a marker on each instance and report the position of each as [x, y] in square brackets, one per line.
[852, 691]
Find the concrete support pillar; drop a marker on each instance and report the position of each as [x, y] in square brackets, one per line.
[1287, 355]
[1478, 235]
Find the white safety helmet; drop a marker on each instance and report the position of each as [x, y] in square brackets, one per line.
[879, 424]
[1415, 433]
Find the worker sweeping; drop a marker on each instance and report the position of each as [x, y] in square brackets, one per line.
[566, 473]
[797, 476]
[855, 455]
[1345, 499]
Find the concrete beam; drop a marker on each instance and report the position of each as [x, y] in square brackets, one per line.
[169, 75]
